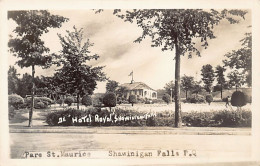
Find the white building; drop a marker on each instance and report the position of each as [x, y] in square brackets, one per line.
[140, 89]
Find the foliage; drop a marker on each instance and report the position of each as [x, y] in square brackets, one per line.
[28, 45]
[238, 99]
[109, 99]
[197, 88]
[11, 111]
[132, 99]
[207, 74]
[86, 100]
[75, 75]
[195, 99]
[228, 118]
[170, 88]
[209, 98]
[69, 100]
[40, 105]
[242, 58]
[15, 100]
[187, 83]
[166, 98]
[219, 74]
[236, 79]
[111, 86]
[12, 80]
[175, 29]
[223, 118]
[46, 100]
[60, 101]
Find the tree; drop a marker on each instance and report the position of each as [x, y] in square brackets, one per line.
[78, 77]
[197, 88]
[175, 29]
[242, 58]
[207, 74]
[236, 79]
[12, 80]
[132, 99]
[219, 74]
[111, 86]
[28, 45]
[187, 83]
[169, 88]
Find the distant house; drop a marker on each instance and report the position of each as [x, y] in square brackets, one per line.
[140, 89]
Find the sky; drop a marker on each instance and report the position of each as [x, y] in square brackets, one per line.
[113, 42]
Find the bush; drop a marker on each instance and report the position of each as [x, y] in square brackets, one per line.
[238, 99]
[45, 100]
[209, 98]
[86, 100]
[227, 118]
[60, 101]
[222, 118]
[69, 100]
[132, 99]
[11, 111]
[15, 100]
[109, 99]
[166, 98]
[196, 99]
[40, 105]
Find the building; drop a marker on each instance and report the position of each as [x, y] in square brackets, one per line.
[140, 89]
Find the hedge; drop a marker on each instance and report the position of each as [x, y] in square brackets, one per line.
[224, 118]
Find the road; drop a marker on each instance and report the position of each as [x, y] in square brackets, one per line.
[206, 146]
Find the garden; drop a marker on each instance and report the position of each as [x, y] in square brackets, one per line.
[203, 113]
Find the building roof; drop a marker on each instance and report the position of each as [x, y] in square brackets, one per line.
[136, 86]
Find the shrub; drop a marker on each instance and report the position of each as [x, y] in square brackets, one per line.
[45, 100]
[109, 99]
[60, 101]
[86, 100]
[15, 100]
[132, 99]
[195, 99]
[166, 98]
[11, 111]
[222, 118]
[228, 118]
[69, 100]
[209, 98]
[40, 105]
[238, 99]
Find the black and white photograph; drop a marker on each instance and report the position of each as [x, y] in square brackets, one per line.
[130, 85]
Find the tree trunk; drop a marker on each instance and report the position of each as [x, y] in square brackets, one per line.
[77, 101]
[32, 104]
[178, 120]
[186, 94]
[221, 91]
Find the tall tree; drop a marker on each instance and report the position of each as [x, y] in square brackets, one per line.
[111, 86]
[242, 58]
[207, 74]
[187, 83]
[13, 80]
[236, 79]
[219, 74]
[77, 76]
[28, 45]
[175, 29]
